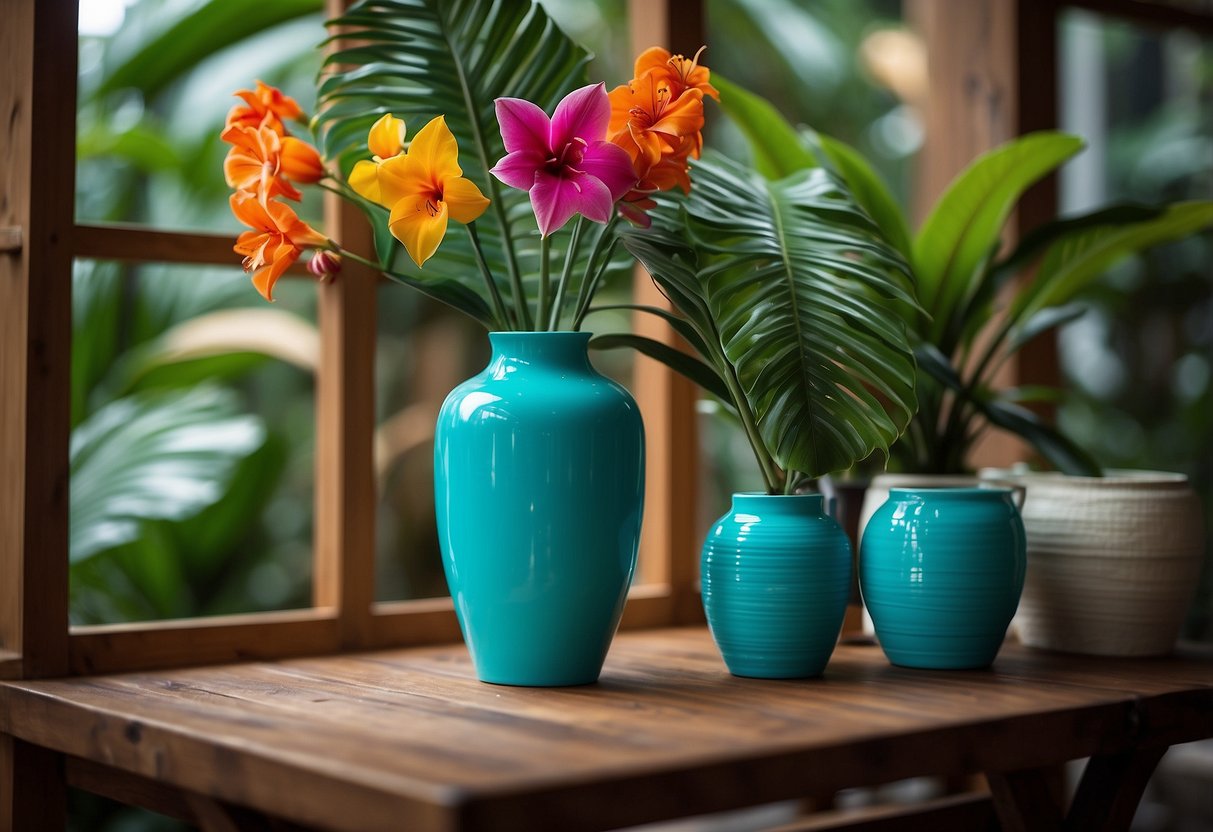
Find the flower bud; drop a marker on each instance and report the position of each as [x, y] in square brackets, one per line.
[324, 265]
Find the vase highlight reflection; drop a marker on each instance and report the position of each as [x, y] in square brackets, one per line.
[539, 486]
[941, 571]
[776, 574]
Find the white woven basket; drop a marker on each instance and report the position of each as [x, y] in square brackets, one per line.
[1112, 561]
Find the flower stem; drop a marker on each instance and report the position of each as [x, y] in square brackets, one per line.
[569, 257]
[503, 315]
[545, 279]
[593, 271]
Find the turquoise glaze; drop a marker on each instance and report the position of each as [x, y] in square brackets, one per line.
[941, 570]
[776, 573]
[539, 486]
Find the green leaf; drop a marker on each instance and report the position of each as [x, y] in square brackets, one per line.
[1072, 263]
[777, 148]
[697, 371]
[804, 293]
[1042, 322]
[209, 29]
[980, 307]
[869, 190]
[420, 59]
[153, 457]
[962, 233]
[1065, 454]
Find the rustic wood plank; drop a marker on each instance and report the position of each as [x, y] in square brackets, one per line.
[346, 498]
[115, 648]
[32, 793]
[1110, 789]
[38, 102]
[670, 537]
[409, 738]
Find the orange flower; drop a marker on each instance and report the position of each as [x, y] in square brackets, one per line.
[276, 241]
[648, 120]
[682, 73]
[264, 105]
[263, 161]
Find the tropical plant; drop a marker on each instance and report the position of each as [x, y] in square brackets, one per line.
[484, 76]
[966, 326]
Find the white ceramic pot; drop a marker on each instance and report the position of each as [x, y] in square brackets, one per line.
[1113, 561]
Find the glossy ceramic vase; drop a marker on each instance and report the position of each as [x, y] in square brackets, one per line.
[776, 575]
[1113, 561]
[941, 571]
[539, 486]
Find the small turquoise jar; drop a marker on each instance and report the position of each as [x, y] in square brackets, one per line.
[776, 574]
[539, 488]
[941, 571]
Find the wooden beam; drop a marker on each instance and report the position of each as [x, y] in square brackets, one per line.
[954, 813]
[1110, 789]
[992, 77]
[38, 102]
[132, 243]
[1153, 14]
[346, 497]
[32, 792]
[114, 648]
[671, 537]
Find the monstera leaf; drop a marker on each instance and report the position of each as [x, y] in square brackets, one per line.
[423, 58]
[802, 303]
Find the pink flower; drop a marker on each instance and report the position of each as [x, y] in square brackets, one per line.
[564, 162]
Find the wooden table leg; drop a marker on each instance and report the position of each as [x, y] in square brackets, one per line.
[32, 790]
[1110, 789]
[1106, 800]
[1025, 800]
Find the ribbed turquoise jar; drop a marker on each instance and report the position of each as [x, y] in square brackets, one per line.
[776, 574]
[941, 571]
[539, 486]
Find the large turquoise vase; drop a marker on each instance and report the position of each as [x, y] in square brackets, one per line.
[941, 571]
[539, 485]
[776, 575]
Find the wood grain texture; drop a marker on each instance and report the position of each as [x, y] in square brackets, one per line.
[346, 497]
[992, 77]
[138, 244]
[115, 648]
[409, 738]
[670, 538]
[38, 105]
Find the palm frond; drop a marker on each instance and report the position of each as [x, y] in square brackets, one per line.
[423, 58]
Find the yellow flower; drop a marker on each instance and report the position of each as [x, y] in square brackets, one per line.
[424, 187]
[385, 140]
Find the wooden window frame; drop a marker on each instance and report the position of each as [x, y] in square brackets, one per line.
[980, 95]
[39, 241]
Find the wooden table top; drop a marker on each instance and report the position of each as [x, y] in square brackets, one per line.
[409, 739]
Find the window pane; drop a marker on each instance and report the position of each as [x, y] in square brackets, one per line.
[1140, 361]
[155, 83]
[192, 443]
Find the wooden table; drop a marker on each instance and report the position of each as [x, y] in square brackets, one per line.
[408, 739]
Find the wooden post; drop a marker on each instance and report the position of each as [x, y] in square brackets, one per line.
[992, 77]
[671, 537]
[37, 155]
[345, 426]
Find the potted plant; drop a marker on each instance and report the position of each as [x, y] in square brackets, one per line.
[793, 303]
[978, 306]
[434, 116]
